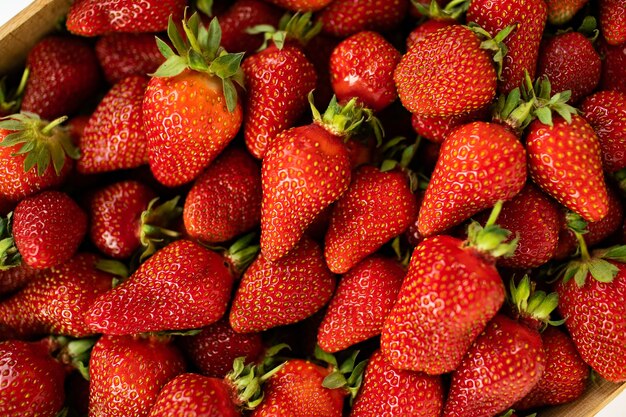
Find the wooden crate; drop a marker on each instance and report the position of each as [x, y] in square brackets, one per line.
[39, 18]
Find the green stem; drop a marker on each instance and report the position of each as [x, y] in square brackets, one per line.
[584, 252]
[495, 212]
[46, 130]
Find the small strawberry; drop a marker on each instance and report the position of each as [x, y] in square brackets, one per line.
[127, 373]
[613, 67]
[94, 17]
[64, 73]
[562, 11]
[190, 108]
[225, 201]
[437, 128]
[613, 21]
[343, 18]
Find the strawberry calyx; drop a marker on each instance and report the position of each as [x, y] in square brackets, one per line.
[11, 100]
[205, 6]
[294, 27]
[494, 44]
[156, 221]
[73, 353]
[9, 255]
[118, 269]
[347, 376]
[451, 12]
[491, 239]
[398, 154]
[543, 103]
[239, 255]
[531, 306]
[588, 28]
[200, 50]
[42, 141]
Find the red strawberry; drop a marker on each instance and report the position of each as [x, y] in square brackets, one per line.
[437, 128]
[613, 67]
[378, 206]
[190, 108]
[127, 374]
[571, 63]
[479, 164]
[124, 54]
[94, 17]
[31, 384]
[64, 73]
[343, 18]
[276, 293]
[114, 136]
[362, 67]
[360, 304]
[613, 21]
[225, 201]
[57, 300]
[16, 278]
[182, 286]
[424, 29]
[530, 17]
[301, 5]
[565, 376]
[389, 391]
[562, 11]
[606, 113]
[564, 161]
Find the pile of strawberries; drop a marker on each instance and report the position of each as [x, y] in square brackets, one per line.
[184, 233]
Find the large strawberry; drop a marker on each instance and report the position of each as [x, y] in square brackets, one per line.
[343, 18]
[613, 21]
[190, 108]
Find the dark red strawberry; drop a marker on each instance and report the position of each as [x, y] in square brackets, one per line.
[124, 54]
[343, 18]
[613, 21]
[613, 67]
[64, 73]
[16, 278]
[562, 11]
[437, 128]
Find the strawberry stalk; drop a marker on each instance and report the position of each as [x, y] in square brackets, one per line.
[491, 239]
[240, 254]
[297, 27]
[533, 306]
[494, 44]
[156, 221]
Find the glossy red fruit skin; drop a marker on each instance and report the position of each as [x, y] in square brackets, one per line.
[342, 18]
[124, 54]
[243, 14]
[296, 391]
[376, 207]
[180, 148]
[424, 29]
[565, 376]
[277, 82]
[114, 137]
[47, 228]
[530, 16]
[189, 393]
[362, 66]
[479, 163]
[595, 319]
[64, 73]
[305, 170]
[276, 293]
[389, 391]
[606, 113]
[115, 214]
[215, 348]
[570, 62]
[127, 373]
[363, 298]
[613, 67]
[437, 128]
[501, 367]
[447, 297]
[574, 178]
[31, 384]
[613, 21]
[16, 278]
[182, 286]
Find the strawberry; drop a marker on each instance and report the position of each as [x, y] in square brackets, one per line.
[182, 286]
[124, 54]
[360, 304]
[16, 278]
[127, 373]
[64, 73]
[565, 376]
[57, 300]
[114, 137]
[522, 44]
[564, 160]
[94, 17]
[562, 11]
[343, 18]
[190, 108]
[613, 67]
[301, 5]
[276, 293]
[389, 391]
[271, 84]
[479, 164]
[32, 381]
[437, 128]
[613, 21]
[424, 29]
[362, 66]
[606, 113]
[570, 62]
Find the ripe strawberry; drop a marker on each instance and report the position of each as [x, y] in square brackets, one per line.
[182, 286]
[613, 21]
[190, 108]
[606, 113]
[16, 278]
[389, 391]
[32, 381]
[378, 206]
[522, 44]
[127, 373]
[613, 67]
[124, 54]
[362, 66]
[343, 18]
[64, 73]
[562, 11]
[564, 161]
[565, 376]
[276, 293]
[424, 29]
[57, 300]
[94, 17]
[437, 128]
[114, 137]
[479, 164]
